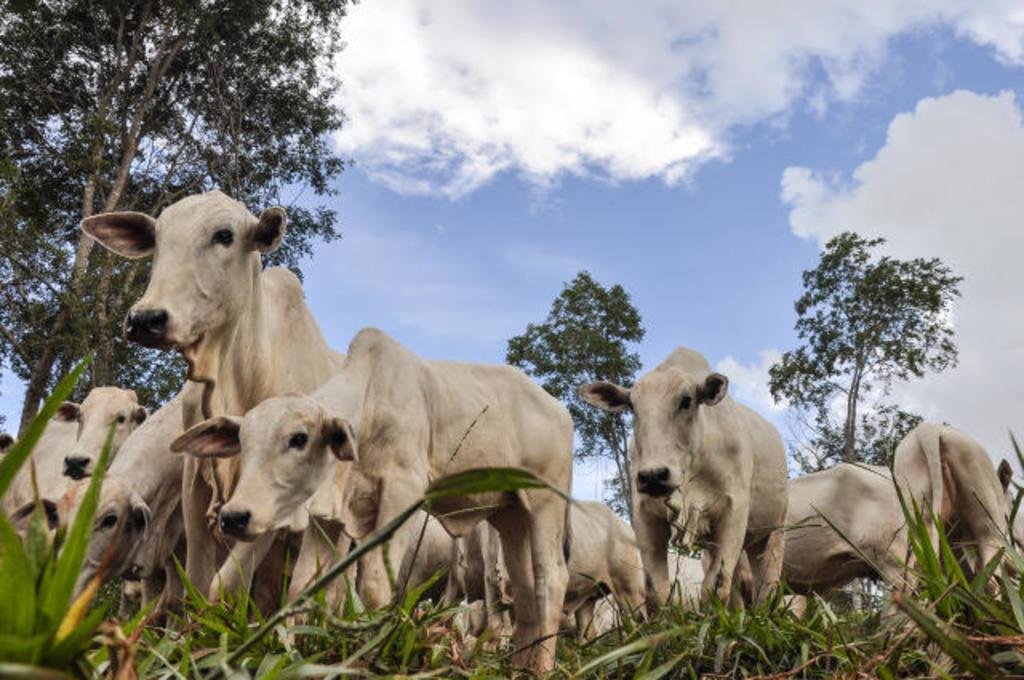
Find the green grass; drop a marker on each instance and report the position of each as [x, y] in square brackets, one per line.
[953, 624]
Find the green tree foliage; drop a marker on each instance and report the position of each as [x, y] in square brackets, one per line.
[865, 322]
[587, 336]
[131, 106]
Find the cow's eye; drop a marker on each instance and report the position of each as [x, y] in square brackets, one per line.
[108, 522]
[684, 403]
[223, 237]
[120, 418]
[298, 440]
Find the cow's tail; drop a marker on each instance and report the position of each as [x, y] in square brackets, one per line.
[567, 530]
[929, 439]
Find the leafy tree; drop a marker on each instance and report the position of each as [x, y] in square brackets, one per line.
[587, 337]
[130, 106]
[865, 322]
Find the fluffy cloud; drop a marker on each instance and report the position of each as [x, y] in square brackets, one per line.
[748, 383]
[441, 96]
[947, 183]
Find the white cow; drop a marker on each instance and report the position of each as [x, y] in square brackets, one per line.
[843, 523]
[120, 511]
[946, 472]
[407, 422]
[953, 479]
[103, 407]
[76, 433]
[146, 466]
[603, 559]
[245, 333]
[711, 468]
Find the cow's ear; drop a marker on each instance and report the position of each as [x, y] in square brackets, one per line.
[268, 233]
[713, 390]
[1005, 474]
[140, 517]
[606, 396]
[340, 439]
[213, 438]
[6, 442]
[129, 234]
[140, 414]
[69, 412]
[20, 517]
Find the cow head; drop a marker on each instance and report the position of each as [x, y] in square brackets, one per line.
[1010, 491]
[287, 445]
[206, 262]
[119, 527]
[668, 426]
[103, 407]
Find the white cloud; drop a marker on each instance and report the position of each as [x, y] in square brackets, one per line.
[748, 383]
[949, 182]
[441, 96]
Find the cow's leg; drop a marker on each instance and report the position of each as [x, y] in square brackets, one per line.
[201, 547]
[766, 566]
[513, 526]
[725, 550]
[550, 573]
[585, 620]
[374, 586]
[318, 552]
[490, 545]
[652, 534]
[235, 575]
[455, 589]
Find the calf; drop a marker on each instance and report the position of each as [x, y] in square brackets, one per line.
[711, 468]
[406, 422]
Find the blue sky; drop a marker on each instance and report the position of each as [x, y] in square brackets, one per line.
[691, 152]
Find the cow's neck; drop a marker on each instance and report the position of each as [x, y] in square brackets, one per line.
[234, 363]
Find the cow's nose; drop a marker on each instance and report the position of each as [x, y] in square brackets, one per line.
[146, 326]
[75, 467]
[654, 481]
[234, 523]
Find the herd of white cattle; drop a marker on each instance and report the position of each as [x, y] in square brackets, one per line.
[278, 443]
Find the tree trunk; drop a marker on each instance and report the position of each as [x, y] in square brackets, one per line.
[165, 54]
[850, 426]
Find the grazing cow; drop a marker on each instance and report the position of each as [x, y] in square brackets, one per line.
[246, 335]
[843, 523]
[603, 559]
[76, 433]
[406, 422]
[712, 469]
[103, 407]
[847, 522]
[120, 511]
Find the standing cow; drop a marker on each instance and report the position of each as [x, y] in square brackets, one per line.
[406, 422]
[711, 468]
[245, 333]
